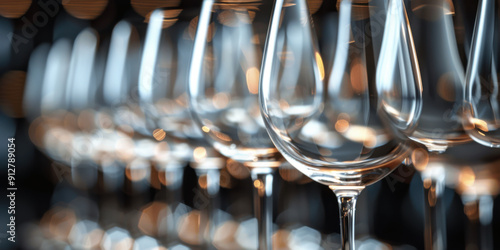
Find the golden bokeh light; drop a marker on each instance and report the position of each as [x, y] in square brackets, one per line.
[189, 228]
[85, 9]
[145, 7]
[225, 236]
[170, 17]
[11, 93]
[203, 181]
[138, 170]
[14, 9]
[159, 134]
[420, 159]
[466, 177]
[280, 239]
[151, 217]
[342, 126]
[359, 76]
[252, 76]
[205, 129]
[321, 66]
[314, 5]
[199, 153]
[446, 87]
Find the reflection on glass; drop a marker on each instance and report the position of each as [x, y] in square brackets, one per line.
[329, 127]
[223, 88]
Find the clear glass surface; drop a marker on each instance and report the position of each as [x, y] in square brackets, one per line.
[223, 95]
[319, 95]
[482, 113]
[224, 82]
[330, 127]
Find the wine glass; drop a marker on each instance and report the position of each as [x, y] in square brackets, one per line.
[329, 128]
[482, 113]
[439, 43]
[223, 94]
[162, 93]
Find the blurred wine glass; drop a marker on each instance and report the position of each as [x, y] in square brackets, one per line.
[473, 172]
[162, 89]
[330, 128]
[482, 115]
[223, 94]
[438, 44]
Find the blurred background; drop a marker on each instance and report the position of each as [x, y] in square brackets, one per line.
[116, 197]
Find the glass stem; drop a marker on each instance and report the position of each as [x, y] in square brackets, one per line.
[263, 205]
[212, 203]
[347, 208]
[485, 219]
[479, 211]
[173, 180]
[435, 216]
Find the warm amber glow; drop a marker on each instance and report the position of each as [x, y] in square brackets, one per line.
[257, 184]
[169, 17]
[152, 217]
[144, 7]
[203, 181]
[314, 5]
[11, 93]
[420, 159]
[359, 77]
[480, 124]
[321, 67]
[14, 9]
[199, 153]
[225, 236]
[137, 170]
[205, 129]
[85, 9]
[446, 87]
[159, 134]
[252, 76]
[471, 210]
[189, 228]
[280, 239]
[362, 134]
[466, 177]
[221, 136]
[341, 125]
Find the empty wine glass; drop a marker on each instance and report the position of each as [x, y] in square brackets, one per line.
[223, 88]
[162, 91]
[329, 128]
[482, 113]
[438, 41]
